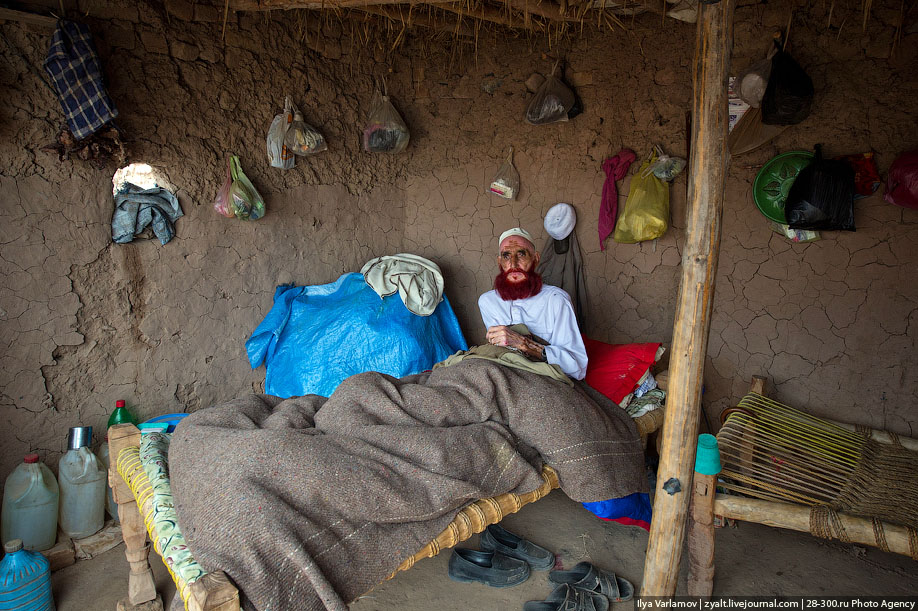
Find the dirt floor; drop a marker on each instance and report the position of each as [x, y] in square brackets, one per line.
[751, 559]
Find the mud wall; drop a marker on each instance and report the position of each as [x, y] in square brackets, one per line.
[85, 322]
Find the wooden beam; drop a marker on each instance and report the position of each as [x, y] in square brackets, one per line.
[487, 13]
[483, 12]
[30, 18]
[797, 517]
[707, 176]
[548, 10]
[418, 19]
[277, 5]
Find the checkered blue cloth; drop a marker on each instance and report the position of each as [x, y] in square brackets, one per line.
[76, 73]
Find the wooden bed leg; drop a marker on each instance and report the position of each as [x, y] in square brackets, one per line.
[142, 594]
[701, 525]
[701, 537]
[213, 592]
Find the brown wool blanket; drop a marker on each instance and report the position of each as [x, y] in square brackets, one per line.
[307, 503]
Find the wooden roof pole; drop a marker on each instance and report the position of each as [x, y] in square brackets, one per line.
[707, 175]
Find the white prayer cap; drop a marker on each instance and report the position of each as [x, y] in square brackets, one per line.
[515, 231]
[560, 220]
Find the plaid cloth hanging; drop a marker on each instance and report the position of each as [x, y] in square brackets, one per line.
[74, 68]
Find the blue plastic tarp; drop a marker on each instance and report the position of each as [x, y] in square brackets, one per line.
[316, 336]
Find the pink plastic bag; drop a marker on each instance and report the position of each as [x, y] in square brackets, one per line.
[902, 180]
[222, 201]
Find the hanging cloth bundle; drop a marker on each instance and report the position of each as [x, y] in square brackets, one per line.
[75, 70]
[615, 168]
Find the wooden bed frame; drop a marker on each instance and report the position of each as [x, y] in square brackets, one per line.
[215, 591]
[706, 504]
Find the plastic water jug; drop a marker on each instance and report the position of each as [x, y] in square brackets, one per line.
[25, 580]
[110, 506]
[82, 481]
[30, 501]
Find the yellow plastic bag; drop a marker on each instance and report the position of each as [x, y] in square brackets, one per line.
[646, 212]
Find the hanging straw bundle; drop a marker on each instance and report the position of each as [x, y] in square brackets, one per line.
[774, 452]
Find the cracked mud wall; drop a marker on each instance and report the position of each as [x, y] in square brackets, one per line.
[85, 321]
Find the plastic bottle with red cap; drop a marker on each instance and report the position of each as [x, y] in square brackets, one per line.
[30, 505]
[121, 415]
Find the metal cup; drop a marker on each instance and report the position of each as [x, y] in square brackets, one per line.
[78, 437]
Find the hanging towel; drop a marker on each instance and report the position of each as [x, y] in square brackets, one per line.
[74, 69]
[561, 266]
[136, 207]
[418, 280]
[615, 168]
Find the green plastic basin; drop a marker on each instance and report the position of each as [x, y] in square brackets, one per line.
[774, 180]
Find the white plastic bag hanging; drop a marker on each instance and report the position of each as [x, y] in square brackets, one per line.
[506, 182]
[665, 168]
[385, 130]
[302, 138]
[278, 155]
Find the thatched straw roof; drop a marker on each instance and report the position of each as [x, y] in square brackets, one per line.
[527, 15]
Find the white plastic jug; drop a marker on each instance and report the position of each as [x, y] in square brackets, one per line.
[25, 580]
[82, 481]
[110, 507]
[30, 500]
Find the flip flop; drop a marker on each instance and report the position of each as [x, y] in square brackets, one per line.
[585, 576]
[568, 598]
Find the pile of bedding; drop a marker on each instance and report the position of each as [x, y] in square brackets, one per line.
[316, 336]
[307, 503]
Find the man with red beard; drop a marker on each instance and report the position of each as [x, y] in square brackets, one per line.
[519, 297]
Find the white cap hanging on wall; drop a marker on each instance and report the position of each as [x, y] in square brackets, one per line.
[560, 220]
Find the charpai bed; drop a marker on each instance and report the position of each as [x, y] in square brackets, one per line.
[309, 502]
[785, 468]
[141, 488]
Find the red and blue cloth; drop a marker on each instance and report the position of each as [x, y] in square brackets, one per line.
[632, 510]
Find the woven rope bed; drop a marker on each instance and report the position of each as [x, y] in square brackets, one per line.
[141, 490]
[786, 468]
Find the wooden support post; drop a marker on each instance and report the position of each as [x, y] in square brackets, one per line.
[707, 176]
[701, 537]
[141, 588]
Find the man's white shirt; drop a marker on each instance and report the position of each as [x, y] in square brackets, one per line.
[550, 315]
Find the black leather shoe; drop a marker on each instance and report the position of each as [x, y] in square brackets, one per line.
[490, 568]
[496, 539]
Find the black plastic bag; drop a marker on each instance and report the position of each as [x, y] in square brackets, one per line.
[553, 101]
[789, 94]
[822, 196]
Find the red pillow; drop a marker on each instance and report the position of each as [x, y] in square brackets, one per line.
[615, 369]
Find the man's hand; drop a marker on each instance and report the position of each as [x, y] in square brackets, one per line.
[501, 335]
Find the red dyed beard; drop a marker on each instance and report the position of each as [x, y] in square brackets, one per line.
[511, 291]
